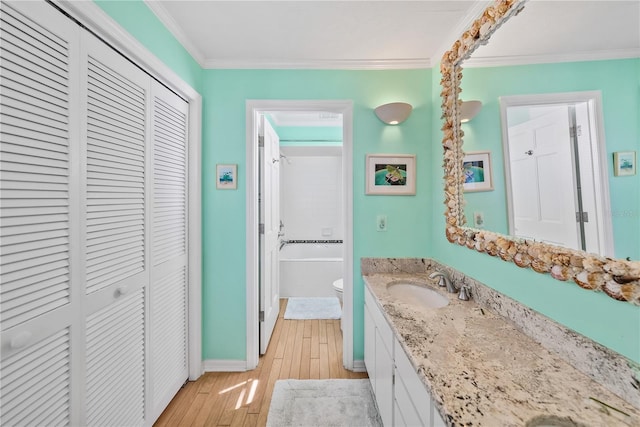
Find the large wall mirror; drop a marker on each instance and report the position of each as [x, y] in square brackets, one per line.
[559, 97]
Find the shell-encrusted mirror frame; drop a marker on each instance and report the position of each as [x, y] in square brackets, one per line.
[619, 279]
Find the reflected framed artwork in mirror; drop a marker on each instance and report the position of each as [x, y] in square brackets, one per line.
[477, 171]
[618, 278]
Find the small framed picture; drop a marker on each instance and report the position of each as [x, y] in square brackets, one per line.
[226, 177]
[391, 174]
[624, 163]
[477, 171]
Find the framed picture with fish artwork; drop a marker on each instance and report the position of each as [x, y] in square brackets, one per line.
[477, 171]
[391, 174]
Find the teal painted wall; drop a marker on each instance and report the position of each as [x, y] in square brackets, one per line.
[225, 93]
[612, 323]
[619, 82]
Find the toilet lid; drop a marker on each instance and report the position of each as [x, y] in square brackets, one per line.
[337, 285]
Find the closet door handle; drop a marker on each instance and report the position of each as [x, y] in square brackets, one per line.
[120, 291]
[20, 340]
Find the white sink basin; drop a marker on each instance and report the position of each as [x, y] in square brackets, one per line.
[417, 295]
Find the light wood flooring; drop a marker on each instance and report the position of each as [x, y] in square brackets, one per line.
[299, 349]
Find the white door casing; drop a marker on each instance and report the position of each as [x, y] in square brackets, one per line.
[269, 229]
[254, 108]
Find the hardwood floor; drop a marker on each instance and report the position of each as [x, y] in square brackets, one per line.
[299, 349]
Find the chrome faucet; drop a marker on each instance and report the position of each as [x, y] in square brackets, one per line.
[445, 280]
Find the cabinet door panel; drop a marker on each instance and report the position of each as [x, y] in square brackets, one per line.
[370, 346]
[414, 386]
[406, 413]
[384, 380]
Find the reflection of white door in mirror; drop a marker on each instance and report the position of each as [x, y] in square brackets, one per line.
[555, 190]
[543, 191]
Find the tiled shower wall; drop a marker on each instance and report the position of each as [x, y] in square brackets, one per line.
[311, 193]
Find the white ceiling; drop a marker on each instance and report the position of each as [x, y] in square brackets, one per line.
[365, 34]
[316, 34]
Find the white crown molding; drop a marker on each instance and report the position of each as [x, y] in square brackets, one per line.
[497, 61]
[175, 29]
[373, 64]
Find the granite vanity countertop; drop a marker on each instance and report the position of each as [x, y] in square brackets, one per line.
[482, 371]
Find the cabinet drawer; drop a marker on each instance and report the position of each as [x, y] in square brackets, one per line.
[414, 386]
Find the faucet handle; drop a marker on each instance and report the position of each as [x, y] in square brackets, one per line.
[465, 292]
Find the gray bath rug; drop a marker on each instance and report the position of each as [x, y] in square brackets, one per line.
[323, 403]
[313, 308]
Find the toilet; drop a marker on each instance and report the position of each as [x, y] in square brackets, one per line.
[337, 287]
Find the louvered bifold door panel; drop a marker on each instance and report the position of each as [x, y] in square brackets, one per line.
[36, 383]
[116, 241]
[168, 287]
[115, 160]
[115, 363]
[169, 176]
[38, 59]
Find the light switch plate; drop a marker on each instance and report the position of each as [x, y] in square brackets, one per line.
[381, 223]
[478, 219]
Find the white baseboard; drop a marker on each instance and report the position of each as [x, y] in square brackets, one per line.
[358, 366]
[225, 365]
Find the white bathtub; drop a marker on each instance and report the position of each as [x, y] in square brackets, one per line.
[309, 269]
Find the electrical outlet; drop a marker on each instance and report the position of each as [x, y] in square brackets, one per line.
[478, 219]
[381, 223]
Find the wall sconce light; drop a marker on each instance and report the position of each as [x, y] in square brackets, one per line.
[469, 109]
[394, 113]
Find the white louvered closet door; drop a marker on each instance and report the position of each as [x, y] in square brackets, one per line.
[168, 287]
[115, 236]
[39, 200]
[93, 227]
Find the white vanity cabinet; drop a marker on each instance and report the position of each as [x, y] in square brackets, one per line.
[401, 396]
[378, 358]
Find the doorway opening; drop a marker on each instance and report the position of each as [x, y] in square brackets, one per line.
[556, 170]
[259, 112]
